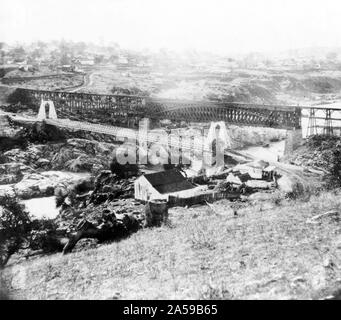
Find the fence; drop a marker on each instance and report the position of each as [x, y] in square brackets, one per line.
[201, 198]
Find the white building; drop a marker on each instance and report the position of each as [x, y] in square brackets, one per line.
[160, 185]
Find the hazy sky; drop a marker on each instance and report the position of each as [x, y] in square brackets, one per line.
[211, 25]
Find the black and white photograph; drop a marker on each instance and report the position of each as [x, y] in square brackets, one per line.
[173, 150]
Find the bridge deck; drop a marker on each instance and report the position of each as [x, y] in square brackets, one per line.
[133, 136]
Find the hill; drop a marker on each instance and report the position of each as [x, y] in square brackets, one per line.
[272, 249]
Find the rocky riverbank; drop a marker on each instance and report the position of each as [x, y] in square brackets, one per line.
[38, 169]
[42, 184]
[76, 155]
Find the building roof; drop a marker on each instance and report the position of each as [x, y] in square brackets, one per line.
[233, 179]
[259, 164]
[168, 181]
[269, 169]
[243, 177]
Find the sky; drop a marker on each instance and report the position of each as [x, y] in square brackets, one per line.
[219, 26]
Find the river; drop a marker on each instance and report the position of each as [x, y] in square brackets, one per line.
[270, 153]
[42, 207]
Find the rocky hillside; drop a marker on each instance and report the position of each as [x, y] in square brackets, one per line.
[242, 85]
[322, 153]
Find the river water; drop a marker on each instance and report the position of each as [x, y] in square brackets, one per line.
[42, 207]
[270, 153]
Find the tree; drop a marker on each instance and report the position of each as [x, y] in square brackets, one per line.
[2, 53]
[99, 58]
[36, 53]
[2, 57]
[79, 47]
[20, 96]
[14, 227]
[64, 60]
[18, 53]
[65, 52]
[41, 45]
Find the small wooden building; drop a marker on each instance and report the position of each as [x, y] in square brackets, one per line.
[160, 185]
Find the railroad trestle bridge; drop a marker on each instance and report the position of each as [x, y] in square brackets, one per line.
[108, 113]
[128, 110]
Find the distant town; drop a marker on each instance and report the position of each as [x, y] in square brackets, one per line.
[291, 77]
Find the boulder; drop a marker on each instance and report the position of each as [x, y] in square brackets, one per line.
[14, 168]
[112, 227]
[285, 184]
[6, 191]
[9, 179]
[43, 163]
[11, 173]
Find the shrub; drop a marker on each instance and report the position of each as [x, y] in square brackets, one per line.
[60, 196]
[8, 143]
[41, 133]
[45, 236]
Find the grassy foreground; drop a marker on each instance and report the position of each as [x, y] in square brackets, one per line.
[268, 251]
